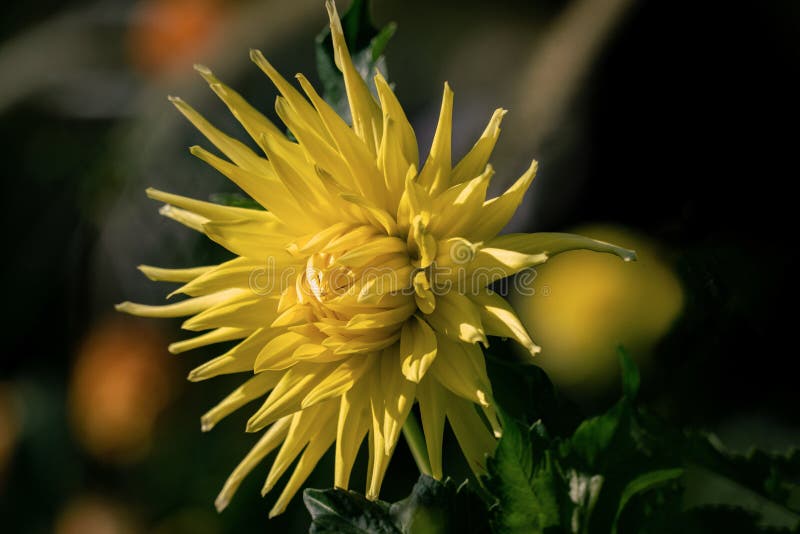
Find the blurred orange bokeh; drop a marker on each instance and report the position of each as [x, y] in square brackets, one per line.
[94, 515]
[120, 383]
[9, 425]
[169, 35]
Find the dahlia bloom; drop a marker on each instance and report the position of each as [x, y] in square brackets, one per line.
[362, 287]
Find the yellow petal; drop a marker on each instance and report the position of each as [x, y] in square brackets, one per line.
[291, 94]
[457, 317]
[492, 264]
[351, 239]
[354, 421]
[431, 398]
[423, 296]
[398, 149]
[318, 445]
[362, 163]
[159, 274]
[475, 439]
[307, 425]
[264, 187]
[301, 183]
[240, 358]
[235, 273]
[460, 367]
[243, 310]
[179, 309]
[374, 213]
[214, 336]
[273, 437]
[399, 397]
[421, 243]
[186, 218]
[361, 344]
[208, 210]
[499, 319]
[277, 354]
[435, 173]
[297, 314]
[477, 158]
[415, 201]
[391, 317]
[367, 117]
[320, 151]
[286, 397]
[367, 252]
[554, 243]
[496, 213]
[237, 151]
[458, 209]
[338, 381]
[417, 348]
[378, 458]
[253, 121]
[255, 387]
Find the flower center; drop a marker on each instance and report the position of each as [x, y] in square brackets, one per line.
[324, 279]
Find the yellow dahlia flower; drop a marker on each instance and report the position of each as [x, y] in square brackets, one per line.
[361, 289]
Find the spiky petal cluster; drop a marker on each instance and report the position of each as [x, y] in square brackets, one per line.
[361, 289]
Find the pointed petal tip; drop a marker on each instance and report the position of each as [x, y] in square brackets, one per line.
[221, 502]
[269, 483]
[331, 7]
[253, 425]
[123, 306]
[202, 69]
[196, 376]
[206, 424]
[257, 57]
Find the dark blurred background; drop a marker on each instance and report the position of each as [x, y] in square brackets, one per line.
[666, 126]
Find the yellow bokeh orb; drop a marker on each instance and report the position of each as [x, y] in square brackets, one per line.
[585, 305]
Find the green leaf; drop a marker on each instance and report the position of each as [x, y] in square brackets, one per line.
[620, 470]
[644, 483]
[339, 511]
[366, 44]
[630, 374]
[236, 200]
[726, 519]
[527, 393]
[770, 475]
[527, 490]
[433, 507]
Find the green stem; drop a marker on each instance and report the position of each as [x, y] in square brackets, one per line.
[416, 442]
